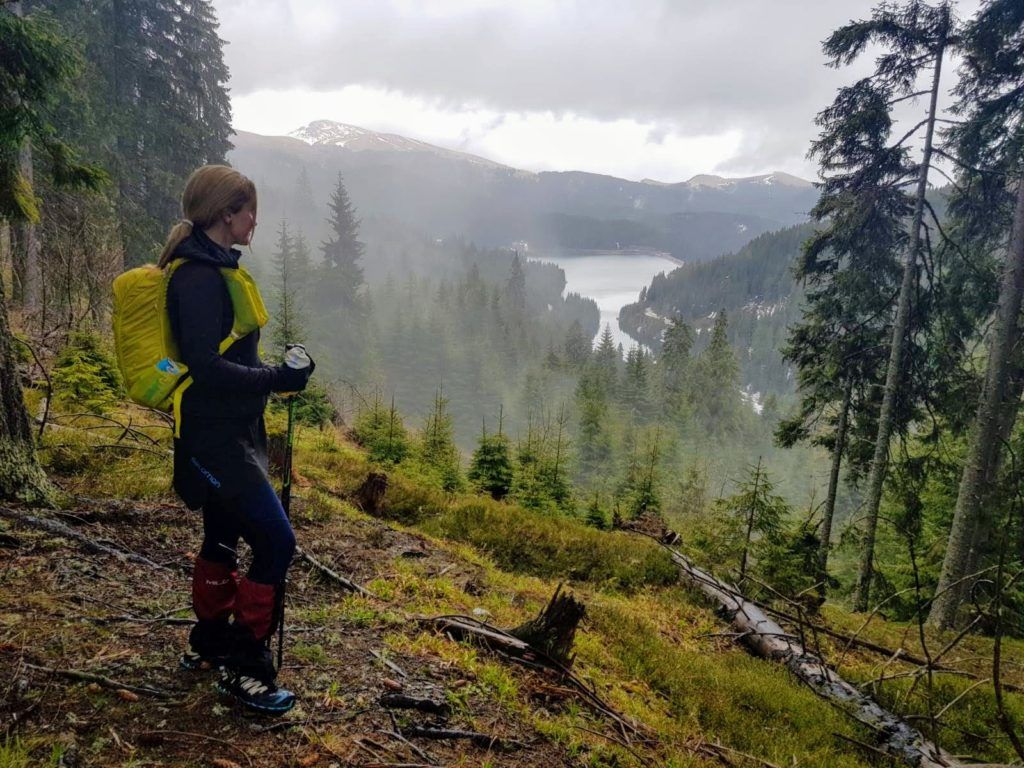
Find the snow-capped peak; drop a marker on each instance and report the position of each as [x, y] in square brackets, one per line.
[328, 133]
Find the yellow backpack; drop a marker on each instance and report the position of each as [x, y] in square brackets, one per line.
[146, 353]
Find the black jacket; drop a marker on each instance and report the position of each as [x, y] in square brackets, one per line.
[236, 384]
[223, 443]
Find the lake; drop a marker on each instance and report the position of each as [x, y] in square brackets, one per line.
[612, 279]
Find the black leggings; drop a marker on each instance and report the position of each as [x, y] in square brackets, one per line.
[256, 515]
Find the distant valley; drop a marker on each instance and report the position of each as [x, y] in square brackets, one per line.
[439, 192]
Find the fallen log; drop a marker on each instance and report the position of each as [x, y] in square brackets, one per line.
[767, 639]
[52, 526]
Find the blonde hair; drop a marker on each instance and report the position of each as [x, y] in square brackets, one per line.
[210, 192]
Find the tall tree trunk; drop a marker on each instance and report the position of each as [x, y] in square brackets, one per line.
[21, 478]
[894, 371]
[985, 434]
[833, 487]
[989, 484]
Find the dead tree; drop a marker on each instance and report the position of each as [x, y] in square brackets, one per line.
[554, 629]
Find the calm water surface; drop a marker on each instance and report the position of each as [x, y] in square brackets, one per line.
[612, 279]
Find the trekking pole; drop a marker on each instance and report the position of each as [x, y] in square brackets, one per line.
[286, 503]
[286, 488]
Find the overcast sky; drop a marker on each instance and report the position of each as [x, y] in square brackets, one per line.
[660, 89]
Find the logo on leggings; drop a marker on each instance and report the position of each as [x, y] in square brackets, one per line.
[206, 473]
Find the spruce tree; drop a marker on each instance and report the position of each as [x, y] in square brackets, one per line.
[515, 286]
[342, 313]
[716, 391]
[382, 431]
[288, 322]
[675, 361]
[594, 448]
[342, 275]
[596, 515]
[915, 36]
[635, 389]
[437, 450]
[156, 95]
[607, 360]
[849, 271]
[490, 470]
[759, 512]
[576, 346]
[36, 61]
[990, 143]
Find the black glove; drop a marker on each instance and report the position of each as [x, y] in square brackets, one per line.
[293, 379]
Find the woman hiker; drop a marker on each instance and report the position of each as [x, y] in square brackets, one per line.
[220, 457]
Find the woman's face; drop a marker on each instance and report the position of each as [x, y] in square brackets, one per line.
[242, 225]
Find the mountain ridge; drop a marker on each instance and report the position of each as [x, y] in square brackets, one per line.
[356, 138]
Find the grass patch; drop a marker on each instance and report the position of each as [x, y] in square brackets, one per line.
[310, 653]
[527, 542]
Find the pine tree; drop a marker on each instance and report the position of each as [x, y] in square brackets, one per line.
[917, 36]
[992, 135]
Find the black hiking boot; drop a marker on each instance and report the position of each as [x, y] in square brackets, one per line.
[210, 644]
[248, 677]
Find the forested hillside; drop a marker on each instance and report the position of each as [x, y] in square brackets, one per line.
[756, 289]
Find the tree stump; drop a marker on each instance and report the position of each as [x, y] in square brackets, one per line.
[370, 494]
[554, 630]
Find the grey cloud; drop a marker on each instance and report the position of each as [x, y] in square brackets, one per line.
[692, 66]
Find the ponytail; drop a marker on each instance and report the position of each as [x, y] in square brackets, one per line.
[210, 192]
[178, 234]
